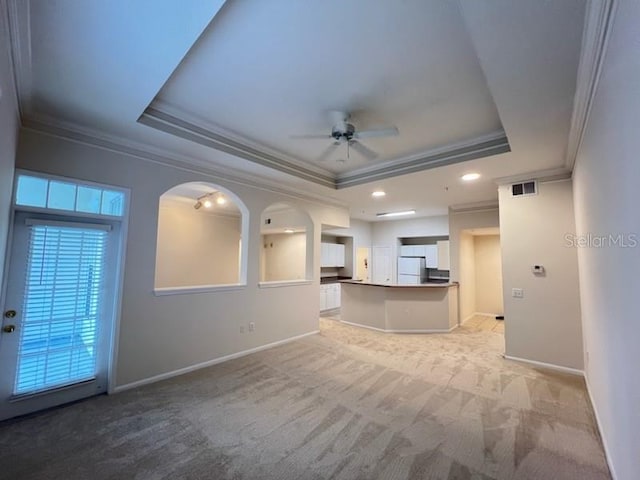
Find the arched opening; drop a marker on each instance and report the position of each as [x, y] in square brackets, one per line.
[287, 249]
[199, 243]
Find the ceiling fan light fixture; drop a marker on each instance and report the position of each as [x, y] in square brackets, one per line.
[470, 177]
[396, 214]
[207, 203]
[220, 199]
[378, 193]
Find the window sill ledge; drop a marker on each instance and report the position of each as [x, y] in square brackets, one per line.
[284, 283]
[164, 291]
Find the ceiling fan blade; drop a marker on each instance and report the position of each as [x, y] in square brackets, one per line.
[377, 132]
[310, 136]
[328, 151]
[362, 150]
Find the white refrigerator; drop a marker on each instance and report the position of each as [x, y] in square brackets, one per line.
[411, 270]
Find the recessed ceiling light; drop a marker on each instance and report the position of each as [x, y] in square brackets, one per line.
[378, 193]
[468, 177]
[288, 230]
[396, 214]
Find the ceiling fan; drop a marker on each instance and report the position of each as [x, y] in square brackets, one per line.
[345, 132]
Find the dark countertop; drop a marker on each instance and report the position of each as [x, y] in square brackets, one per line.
[422, 285]
[325, 280]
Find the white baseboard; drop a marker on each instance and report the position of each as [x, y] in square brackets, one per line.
[607, 450]
[443, 330]
[550, 366]
[215, 361]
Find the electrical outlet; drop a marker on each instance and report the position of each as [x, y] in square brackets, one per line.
[241, 328]
[252, 326]
[517, 293]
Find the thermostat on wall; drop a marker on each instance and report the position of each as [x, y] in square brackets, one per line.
[537, 269]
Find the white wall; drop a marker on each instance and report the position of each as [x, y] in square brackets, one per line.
[488, 274]
[151, 341]
[196, 247]
[284, 256]
[9, 125]
[606, 194]
[387, 233]
[543, 326]
[466, 276]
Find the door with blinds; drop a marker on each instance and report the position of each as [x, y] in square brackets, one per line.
[55, 342]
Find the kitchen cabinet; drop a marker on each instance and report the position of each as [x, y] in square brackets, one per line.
[332, 255]
[443, 255]
[431, 256]
[330, 296]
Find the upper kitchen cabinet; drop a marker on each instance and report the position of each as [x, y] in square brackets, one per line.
[443, 255]
[332, 255]
[431, 256]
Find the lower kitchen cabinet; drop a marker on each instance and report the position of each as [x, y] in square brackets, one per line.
[329, 296]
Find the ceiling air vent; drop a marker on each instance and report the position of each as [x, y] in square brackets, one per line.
[524, 188]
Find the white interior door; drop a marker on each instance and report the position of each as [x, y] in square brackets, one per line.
[381, 265]
[55, 340]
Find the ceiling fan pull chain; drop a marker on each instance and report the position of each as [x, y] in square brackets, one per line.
[348, 146]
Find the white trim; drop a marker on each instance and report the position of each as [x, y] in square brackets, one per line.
[86, 136]
[474, 207]
[209, 363]
[488, 314]
[597, 27]
[30, 222]
[18, 20]
[191, 289]
[559, 173]
[443, 330]
[605, 445]
[284, 283]
[550, 366]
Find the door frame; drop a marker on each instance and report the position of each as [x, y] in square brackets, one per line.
[119, 252]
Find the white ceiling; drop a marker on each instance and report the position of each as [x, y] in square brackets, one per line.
[263, 71]
[90, 69]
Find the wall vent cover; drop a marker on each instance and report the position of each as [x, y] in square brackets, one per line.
[524, 188]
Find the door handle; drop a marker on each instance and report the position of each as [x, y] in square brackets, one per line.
[9, 328]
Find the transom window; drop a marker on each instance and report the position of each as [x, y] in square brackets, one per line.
[40, 192]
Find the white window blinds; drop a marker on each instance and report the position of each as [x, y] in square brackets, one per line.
[61, 307]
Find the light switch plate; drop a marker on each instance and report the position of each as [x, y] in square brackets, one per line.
[517, 293]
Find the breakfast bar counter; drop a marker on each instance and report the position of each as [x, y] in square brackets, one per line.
[424, 308]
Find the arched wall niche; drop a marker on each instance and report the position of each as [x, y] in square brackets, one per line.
[201, 239]
[286, 253]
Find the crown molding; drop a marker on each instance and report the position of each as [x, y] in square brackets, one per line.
[221, 140]
[19, 25]
[474, 207]
[94, 138]
[178, 123]
[560, 173]
[485, 146]
[597, 26]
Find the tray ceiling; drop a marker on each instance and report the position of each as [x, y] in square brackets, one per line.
[263, 71]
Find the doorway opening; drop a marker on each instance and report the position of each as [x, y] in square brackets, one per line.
[481, 296]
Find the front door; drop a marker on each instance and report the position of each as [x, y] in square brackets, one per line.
[55, 338]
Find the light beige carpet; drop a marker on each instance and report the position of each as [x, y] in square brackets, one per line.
[346, 404]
